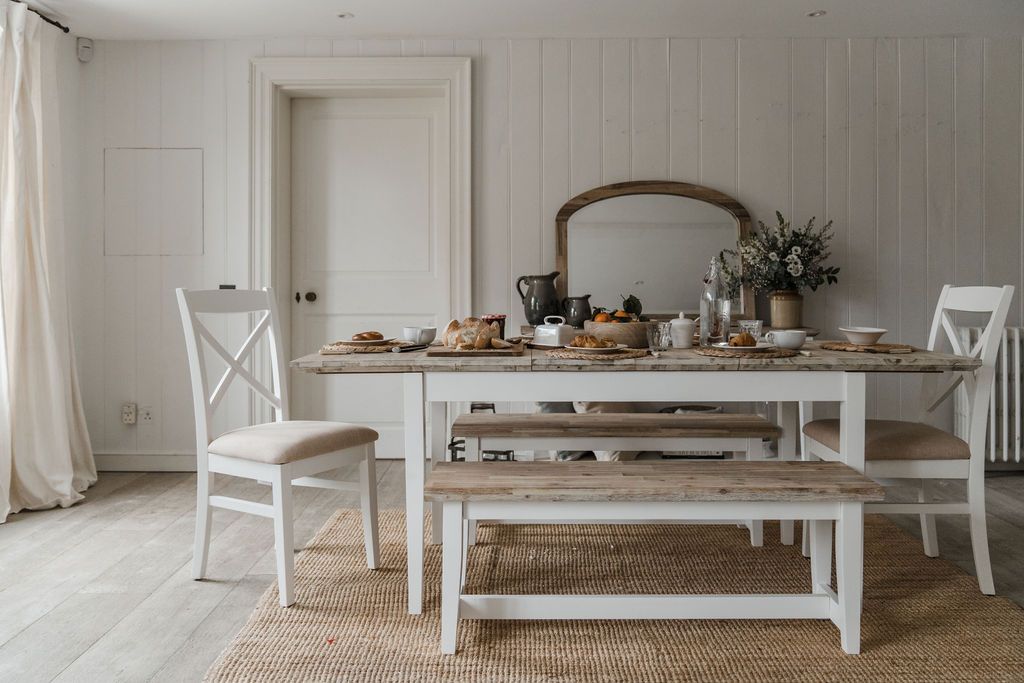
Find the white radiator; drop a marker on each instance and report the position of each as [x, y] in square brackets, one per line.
[1003, 440]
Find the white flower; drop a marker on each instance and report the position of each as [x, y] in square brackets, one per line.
[773, 256]
[795, 250]
[792, 258]
[795, 269]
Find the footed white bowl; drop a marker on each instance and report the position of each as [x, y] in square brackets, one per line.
[863, 335]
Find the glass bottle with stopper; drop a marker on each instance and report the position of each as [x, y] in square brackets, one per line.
[715, 307]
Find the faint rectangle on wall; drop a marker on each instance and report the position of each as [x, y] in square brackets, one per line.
[152, 201]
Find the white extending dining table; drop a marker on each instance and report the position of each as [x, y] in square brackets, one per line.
[677, 375]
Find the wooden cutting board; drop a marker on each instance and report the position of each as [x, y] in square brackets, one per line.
[445, 352]
[867, 348]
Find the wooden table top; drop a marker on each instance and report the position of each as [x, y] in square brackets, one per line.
[650, 481]
[673, 360]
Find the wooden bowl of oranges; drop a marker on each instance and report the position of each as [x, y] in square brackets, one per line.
[619, 326]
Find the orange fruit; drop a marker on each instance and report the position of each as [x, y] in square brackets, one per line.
[620, 314]
[602, 318]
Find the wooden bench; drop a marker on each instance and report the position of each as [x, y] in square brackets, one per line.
[737, 433]
[653, 491]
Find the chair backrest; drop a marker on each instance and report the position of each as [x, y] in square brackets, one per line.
[261, 303]
[995, 301]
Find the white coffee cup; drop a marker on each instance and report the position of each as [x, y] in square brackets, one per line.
[419, 335]
[787, 339]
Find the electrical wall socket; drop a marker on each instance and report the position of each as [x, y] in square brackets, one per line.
[128, 413]
[146, 415]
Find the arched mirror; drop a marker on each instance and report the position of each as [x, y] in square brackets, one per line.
[653, 239]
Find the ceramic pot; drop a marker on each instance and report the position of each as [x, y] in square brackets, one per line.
[577, 309]
[540, 298]
[787, 307]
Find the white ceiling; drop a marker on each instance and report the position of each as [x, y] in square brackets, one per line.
[152, 19]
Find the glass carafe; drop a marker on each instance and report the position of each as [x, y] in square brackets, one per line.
[715, 307]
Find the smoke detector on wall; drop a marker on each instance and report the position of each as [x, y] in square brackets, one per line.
[85, 50]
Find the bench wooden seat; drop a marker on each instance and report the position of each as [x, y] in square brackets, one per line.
[646, 425]
[821, 492]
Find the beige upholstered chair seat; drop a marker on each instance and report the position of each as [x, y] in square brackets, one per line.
[895, 440]
[278, 443]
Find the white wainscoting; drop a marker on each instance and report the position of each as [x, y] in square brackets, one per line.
[912, 146]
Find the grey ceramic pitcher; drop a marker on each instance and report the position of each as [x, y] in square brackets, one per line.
[540, 299]
[577, 309]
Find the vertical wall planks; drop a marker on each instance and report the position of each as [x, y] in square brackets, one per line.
[318, 47]
[913, 238]
[718, 109]
[380, 48]
[555, 166]
[412, 48]
[808, 171]
[837, 181]
[1002, 156]
[524, 147]
[492, 276]
[345, 47]
[941, 187]
[862, 229]
[181, 109]
[887, 277]
[969, 105]
[615, 108]
[585, 81]
[684, 110]
[433, 47]
[649, 141]
[285, 47]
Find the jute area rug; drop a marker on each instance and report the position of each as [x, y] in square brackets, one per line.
[924, 619]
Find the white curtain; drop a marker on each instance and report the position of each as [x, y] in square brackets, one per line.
[45, 457]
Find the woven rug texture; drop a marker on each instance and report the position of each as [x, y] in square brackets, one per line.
[924, 619]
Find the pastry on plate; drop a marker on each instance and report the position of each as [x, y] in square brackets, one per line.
[743, 339]
[589, 341]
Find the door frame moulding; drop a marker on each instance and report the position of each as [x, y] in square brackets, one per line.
[274, 81]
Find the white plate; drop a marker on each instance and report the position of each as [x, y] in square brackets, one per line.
[761, 346]
[544, 347]
[363, 342]
[610, 349]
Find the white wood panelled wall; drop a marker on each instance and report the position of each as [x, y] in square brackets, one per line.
[912, 146]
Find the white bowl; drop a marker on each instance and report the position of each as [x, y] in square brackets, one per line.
[863, 335]
[419, 335]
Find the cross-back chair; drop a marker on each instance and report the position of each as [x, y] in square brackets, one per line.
[283, 452]
[896, 451]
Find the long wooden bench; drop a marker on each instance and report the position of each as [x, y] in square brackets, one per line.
[821, 492]
[738, 433]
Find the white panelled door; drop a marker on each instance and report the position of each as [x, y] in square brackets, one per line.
[370, 236]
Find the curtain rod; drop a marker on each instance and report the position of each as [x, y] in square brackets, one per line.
[48, 20]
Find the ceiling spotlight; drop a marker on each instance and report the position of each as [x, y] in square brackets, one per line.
[817, 13]
[346, 15]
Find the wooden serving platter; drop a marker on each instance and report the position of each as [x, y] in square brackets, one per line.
[867, 348]
[444, 352]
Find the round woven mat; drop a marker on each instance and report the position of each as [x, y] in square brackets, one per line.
[867, 348]
[340, 348]
[568, 354]
[737, 353]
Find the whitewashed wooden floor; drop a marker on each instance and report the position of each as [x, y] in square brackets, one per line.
[101, 591]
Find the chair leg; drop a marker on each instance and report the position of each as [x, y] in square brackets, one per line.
[204, 517]
[284, 534]
[451, 575]
[928, 533]
[979, 533]
[368, 502]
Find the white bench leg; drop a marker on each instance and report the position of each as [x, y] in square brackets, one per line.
[787, 451]
[284, 541]
[368, 503]
[438, 432]
[472, 455]
[820, 532]
[755, 451]
[451, 574]
[806, 415]
[850, 573]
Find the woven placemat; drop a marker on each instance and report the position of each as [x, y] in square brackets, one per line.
[737, 353]
[340, 348]
[867, 348]
[567, 354]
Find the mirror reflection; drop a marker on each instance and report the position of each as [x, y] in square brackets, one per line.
[652, 245]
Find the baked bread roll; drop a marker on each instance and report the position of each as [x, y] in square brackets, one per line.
[470, 334]
[743, 339]
[372, 335]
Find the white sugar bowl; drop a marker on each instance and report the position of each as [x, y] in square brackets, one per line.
[554, 332]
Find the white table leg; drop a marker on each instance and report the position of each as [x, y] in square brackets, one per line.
[851, 421]
[451, 575]
[415, 459]
[806, 415]
[850, 573]
[787, 411]
[438, 433]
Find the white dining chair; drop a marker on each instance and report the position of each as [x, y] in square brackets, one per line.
[897, 451]
[283, 452]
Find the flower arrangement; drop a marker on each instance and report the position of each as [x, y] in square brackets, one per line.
[781, 258]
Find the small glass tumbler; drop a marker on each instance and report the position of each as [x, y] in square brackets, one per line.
[659, 335]
[753, 327]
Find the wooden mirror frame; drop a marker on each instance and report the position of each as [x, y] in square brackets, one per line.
[599, 194]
